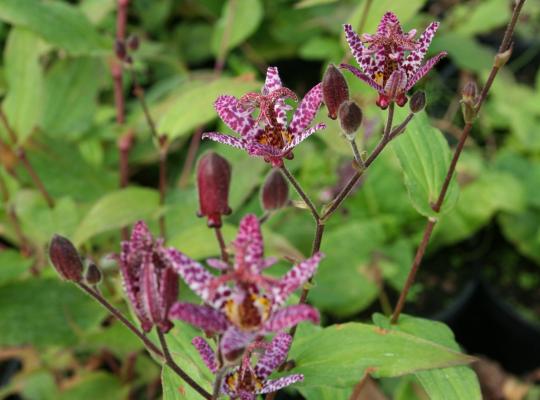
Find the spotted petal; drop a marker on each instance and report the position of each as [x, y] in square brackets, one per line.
[203, 317]
[234, 115]
[273, 81]
[389, 19]
[306, 111]
[290, 316]
[225, 139]
[249, 243]
[419, 74]
[277, 384]
[234, 341]
[300, 137]
[362, 57]
[414, 59]
[296, 277]
[207, 354]
[363, 76]
[273, 356]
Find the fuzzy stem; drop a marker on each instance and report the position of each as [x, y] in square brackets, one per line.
[356, 153]
[300, 192]
[428, 230]
[176, 368]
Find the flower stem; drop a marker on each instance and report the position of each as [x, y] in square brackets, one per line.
[177, 369]
[356, 153]
[301, 192]
[21, 155]
[222, 246]
[428, 230]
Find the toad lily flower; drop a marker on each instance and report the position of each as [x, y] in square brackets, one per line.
[149, 279]
[270, 137]
[246, 381]
[242, 304]
[390, 60]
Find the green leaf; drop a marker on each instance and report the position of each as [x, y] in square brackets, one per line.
[238, 21]
[446, 383]
[45, 312]
[339, 355]
[405, 10]
[523, 230]
[184, 353]
[424, 155]
[325, 393]
[194, 106]
[24, 78]
[346, 268]
[117, 209]
[465, 51]
[96, 385]
[56, 22]
[480, 17]
[12, 265]
[71, 84]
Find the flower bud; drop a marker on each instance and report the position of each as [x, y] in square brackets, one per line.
[335, 90]
[275, 191]
[469, 97]
[120, 50]
[133, 42]
[502, 58]
[65, 259]
[92, 275]
[418, 101]
[213, 179]
[350, 118]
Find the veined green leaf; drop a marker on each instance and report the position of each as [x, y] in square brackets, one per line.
[194, 106]
[117, 209]
[45, 312]
[238, 21]
[424, 155]
[444, 383]
[24, 77]
[339, 355]
[58, 23]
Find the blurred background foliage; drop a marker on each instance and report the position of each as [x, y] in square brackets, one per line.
[57, 94]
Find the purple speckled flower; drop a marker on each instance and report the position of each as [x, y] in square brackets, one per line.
[390, 60]
[246, 380]
[270, 137]
[149, 279]
[242, 304]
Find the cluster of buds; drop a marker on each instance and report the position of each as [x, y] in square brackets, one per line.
[336, 97]
[123, 49]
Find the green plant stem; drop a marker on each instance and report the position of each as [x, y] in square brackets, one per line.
[176, 368]
[356, 153]
[301, 192]
[428, 230]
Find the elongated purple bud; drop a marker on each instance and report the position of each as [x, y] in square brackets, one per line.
[213, 179]
[350, 118]
[275, 191]
[418, 101]
[335, 90]
[65, 259]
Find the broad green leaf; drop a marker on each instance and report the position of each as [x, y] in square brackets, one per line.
[184, 353]
[239, 20]
[117, 209]
[424, 155]
[65, 173]
[199, 241]
[526, 171]
[465, 51]
[325, 393]
[24, 78]
[482, 17]
[71, 84]
[321, 48]
[45, 312]
[96, 385]
[339, 355]
[446, 383]
[12, 265]
[97, 10]
[523, 230]
[346, 268]
[194, 106]
[56, 22]
[311, 3]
